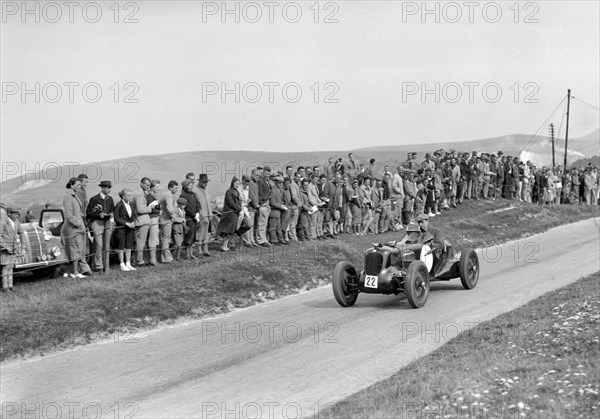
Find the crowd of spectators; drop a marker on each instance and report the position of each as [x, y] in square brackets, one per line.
[301, 203]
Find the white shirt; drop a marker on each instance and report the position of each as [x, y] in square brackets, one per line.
[127, 207]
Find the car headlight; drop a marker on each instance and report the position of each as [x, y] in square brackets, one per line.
[47, 235]
[53, 252]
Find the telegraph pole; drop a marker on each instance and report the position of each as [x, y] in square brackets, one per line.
[567, 131]
[551, 129]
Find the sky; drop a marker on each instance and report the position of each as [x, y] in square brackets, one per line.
[118, 79]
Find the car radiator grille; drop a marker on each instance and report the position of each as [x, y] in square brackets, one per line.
[373, 263]
[36, 238]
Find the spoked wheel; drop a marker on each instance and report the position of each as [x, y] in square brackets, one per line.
[417, 284]
[344, 293]
[468, 268]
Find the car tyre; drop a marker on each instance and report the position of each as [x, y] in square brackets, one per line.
[468, 268]
[416, 284]
[343, 295]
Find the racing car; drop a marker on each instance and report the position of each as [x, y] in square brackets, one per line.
[395, 268]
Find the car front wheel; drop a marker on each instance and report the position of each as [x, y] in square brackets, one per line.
[468, 269]
[344, 293]
[417, 284]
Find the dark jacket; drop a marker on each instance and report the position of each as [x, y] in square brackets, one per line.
[231, 209]
[108, 207]
[121, 216]
[193, 206]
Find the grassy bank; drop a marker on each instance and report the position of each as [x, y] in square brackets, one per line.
[538, 361]
[60, 313]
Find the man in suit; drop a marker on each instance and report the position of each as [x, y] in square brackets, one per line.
[352, 167]
[99, 215]
[206, 214]
[142, 217]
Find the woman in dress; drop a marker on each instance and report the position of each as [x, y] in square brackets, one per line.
[125, 229]
[230, 215]
[73, 229]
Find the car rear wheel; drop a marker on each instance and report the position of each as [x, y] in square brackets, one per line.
[344, 294]
[417, 284]
[468, 268]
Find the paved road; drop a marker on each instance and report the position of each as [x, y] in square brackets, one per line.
[292, 356]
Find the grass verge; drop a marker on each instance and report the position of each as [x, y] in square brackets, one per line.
[61, 313]
[538, 361]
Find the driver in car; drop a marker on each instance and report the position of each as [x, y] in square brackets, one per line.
[430, 235]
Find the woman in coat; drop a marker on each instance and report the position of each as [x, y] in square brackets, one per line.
[73, 229]
[230, 214]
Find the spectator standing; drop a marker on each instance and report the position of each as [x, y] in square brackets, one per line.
[153, 230]
[73, 231]
[179, 227]
[397, 197]
[232, 207]
[125, 229]
[100, 216]
[264, 199]
[294, 207]
[206, 214]
[168, 205]
[143, 207]
[13, 240]
[192, 217]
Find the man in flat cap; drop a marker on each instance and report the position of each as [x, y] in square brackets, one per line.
[430, 235]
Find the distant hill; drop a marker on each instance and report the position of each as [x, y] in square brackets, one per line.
[221, 166]
[584, 162]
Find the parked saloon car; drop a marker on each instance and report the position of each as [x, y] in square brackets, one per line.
[403, 268]
[46, 252]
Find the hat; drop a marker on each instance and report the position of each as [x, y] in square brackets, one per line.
[354, 181]
[185, 183]
[203, 177]
[500, 153]
[278, 178]
[244, 179]
[13, 209]
[105, 184]
[266, 169]
[182, 201]
[422, 217]
[412, 227]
